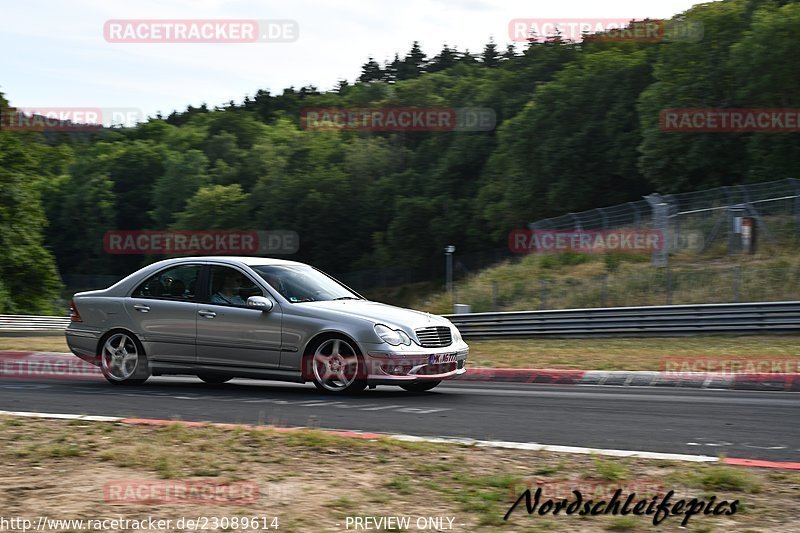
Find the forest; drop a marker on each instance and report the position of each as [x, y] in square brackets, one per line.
[577, 127]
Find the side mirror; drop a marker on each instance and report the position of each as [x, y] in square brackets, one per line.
[260, 303]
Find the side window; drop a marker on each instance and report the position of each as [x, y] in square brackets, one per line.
[175, 283]
[231, 287]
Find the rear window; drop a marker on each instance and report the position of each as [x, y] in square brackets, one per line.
[178, 282]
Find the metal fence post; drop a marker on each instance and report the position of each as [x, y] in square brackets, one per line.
[660, 223]
[737, 283]
[603, 217]
[733, 212]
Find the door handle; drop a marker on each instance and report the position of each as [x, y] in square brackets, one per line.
[206, 314]
[142, 308]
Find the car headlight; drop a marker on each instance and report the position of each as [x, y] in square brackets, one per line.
[395, 337]
[456, 335]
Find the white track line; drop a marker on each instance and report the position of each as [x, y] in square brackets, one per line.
[60, 416]
[529, 446]
[532, 446]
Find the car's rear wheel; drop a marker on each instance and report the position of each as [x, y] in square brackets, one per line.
[122, 359]
[214, 379]
[421, 386]
[336, 366]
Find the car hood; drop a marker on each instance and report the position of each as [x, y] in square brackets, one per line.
[379, 313]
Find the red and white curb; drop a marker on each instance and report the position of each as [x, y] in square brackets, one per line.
[19, 364]
[508, 445]
[622, 378]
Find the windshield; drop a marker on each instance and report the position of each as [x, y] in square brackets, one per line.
[302, 283]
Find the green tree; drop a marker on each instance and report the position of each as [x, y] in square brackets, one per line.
[467, 58]
[29, 281]
[371, 71]
[215, 207]
[444, 60]
[490, 57]
[184, 174]
[413, 64]
[81, 208]
[765, 65]
[573, 147]
[134, 168]
[510, 53]
[390, 69]
[695, 75]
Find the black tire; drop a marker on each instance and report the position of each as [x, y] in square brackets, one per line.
[422, 386]
[134, 371]
[355, 388]
[214, 379]
[354, 383]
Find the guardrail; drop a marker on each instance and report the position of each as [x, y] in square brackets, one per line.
[33, 323]
[668, 320]
[764, 317]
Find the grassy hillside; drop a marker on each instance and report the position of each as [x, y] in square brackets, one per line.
[577, 281]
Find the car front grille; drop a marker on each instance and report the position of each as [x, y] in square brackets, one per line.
[441, 368]
[435, 337]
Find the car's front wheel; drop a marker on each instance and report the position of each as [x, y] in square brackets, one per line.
[336, 366]
[122, 359]
[422, 386]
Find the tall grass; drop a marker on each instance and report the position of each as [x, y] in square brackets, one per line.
[570, 281]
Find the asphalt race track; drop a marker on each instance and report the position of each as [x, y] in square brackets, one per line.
[742, 424]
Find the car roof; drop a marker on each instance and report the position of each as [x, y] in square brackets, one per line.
[243, 260]
[127, 283]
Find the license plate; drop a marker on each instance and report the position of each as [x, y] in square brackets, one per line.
[442, 358]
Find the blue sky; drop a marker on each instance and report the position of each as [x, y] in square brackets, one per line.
[54, 53]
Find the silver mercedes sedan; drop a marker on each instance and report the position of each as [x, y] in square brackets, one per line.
[225, 317]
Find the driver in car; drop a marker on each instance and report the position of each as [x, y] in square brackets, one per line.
[228, 293]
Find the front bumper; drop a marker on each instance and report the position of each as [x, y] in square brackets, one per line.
[395, 365]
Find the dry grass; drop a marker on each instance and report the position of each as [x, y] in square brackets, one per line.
[572, 281]
[312, 481]
[38, 343]
[582, 354]
[623, 354]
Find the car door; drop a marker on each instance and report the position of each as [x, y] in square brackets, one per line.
[163, 309]
[230, 334]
